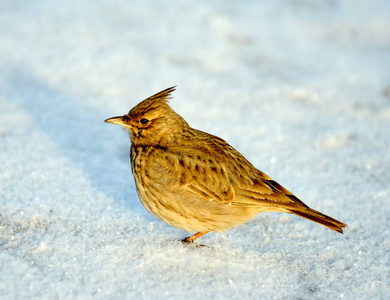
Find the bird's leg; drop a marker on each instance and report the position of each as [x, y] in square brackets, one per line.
[193, 237]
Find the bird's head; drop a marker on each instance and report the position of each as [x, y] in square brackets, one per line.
[152, 121]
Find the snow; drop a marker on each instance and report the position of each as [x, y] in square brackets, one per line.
[301, 88]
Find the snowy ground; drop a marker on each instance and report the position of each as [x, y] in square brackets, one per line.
[300, 87]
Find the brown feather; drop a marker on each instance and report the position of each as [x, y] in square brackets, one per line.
[320, 218]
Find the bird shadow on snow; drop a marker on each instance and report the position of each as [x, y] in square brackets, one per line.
[77, 129]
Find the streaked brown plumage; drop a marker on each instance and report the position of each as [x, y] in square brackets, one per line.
[196, 181]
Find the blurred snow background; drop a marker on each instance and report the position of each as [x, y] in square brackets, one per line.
[300, 87]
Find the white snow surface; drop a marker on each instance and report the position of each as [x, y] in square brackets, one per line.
[301, 88]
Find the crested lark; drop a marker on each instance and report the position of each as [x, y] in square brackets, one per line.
[196, 181]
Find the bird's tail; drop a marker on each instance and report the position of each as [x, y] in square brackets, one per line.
[320, 218]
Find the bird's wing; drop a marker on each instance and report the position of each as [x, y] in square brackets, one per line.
[232, 182]
[224, 181]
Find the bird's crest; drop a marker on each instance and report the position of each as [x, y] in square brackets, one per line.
[153, 101]
[164, 95]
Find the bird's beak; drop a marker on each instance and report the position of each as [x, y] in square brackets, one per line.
[116, 120]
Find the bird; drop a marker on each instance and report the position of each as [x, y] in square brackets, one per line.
[196, 181]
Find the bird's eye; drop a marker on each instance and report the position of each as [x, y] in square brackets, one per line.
[144, 121]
